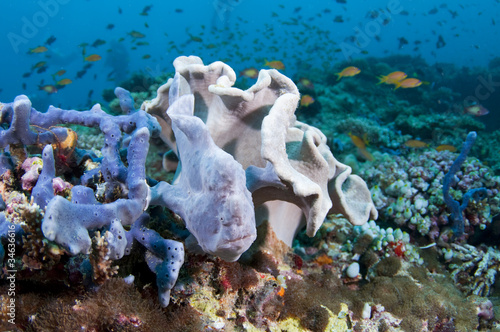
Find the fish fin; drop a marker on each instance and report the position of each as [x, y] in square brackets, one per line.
[381, 79]
[365, 139]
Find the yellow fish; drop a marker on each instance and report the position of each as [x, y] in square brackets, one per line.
[136, 34]
[93, 58]
[415, 143]
[275, 64]
[357, 141]
[306, 100]
[446, 147]
[48, 88]
[64, 81]
[392, 78]
[250, 72]
[408, 83]
[306, 83]
[366, 154]
[39, 49]
[39, 64]
[60, 72]
[348, 72]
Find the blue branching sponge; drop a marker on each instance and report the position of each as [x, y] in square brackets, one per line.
[27, 126]
[67, 223]
[20, 115]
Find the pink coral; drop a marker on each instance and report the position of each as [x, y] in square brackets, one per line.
[60, 185]
[32, 168]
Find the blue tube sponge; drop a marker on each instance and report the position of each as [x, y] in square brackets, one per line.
[43, 191]
[125, 99]
[164, 257]
[456, 208]
[5, 163]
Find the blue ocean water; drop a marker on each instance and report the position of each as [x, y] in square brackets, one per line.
[243, 33]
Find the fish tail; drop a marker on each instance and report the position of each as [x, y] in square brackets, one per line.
[339, 76]
[381, 79]
[365, 139]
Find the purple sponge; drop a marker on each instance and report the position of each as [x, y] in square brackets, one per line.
[67, 223]
[164, 257]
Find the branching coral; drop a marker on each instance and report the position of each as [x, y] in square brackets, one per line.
[38, 252]
[408, 190]
[99, 259]
[477, 271]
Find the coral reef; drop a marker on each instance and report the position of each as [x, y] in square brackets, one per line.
[411, 193]
[265, 211]
[86, 220]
